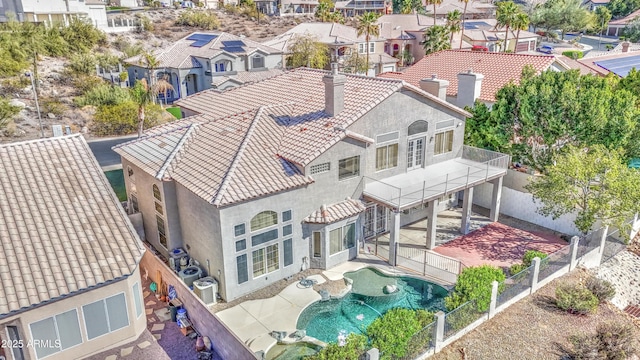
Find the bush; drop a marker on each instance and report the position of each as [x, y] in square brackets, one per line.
[516, 269]
[353, 348]
[84, 83]
[573, 54]
[474, 283]
[14, 85]
[601, 289]
[103, 94]
[530, 254]
[576, 299]
[84, 64]
[82, 36]
[54, 106]
[391, 332]
[202, 19]
[611, 342]
[122, 119]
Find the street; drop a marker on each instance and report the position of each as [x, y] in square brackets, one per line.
[101, 149]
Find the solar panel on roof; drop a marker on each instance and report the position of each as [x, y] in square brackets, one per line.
[200, 40]
[472, 25]
[233, 49]
[233, 43]
[620, 66]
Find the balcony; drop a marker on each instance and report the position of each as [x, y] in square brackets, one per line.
[472, 167]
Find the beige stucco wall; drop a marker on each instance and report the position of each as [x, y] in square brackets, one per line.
[88, 347]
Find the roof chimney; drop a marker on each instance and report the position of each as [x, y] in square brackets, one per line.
[625, 46]
[436, 87]
[334, 91]
[469, 86]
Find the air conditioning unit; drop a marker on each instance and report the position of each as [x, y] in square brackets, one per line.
[190, 274]
[206, 289]
[175, 257]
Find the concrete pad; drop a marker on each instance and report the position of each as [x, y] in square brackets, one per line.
[264, 307]
[163, 314]
[236, 317]
[262, 342]
[126, 351]
[319, 279]
[157, 327]
[150, 303]
[144, 344]
[337, 272]
[111, 357]
[145, 293]
[281, 321]
[148, 311]
[250, 332]
[157, 336]
[299, 297]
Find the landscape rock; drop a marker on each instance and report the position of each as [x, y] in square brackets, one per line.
[51, 115]
[18, 103]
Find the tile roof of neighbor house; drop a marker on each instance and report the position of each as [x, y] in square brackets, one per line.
[393, 26]
[62, 229]
[627, 19]
[245, 141]
[576, 65]
[246, 77]
[498, 69]
[180, 54]
[473, 7]
[336, 212]
[328, 33]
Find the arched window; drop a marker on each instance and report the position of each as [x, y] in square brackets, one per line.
[156, 192]
[263, 220]
[418, 127]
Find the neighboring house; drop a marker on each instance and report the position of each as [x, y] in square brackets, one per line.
[482, 9]
[352, 8]
[483, 33]
[129, 3]
[620, 61]
[55, 11]
[264, 180]
[69, 280]
[615, 27]
[199, 60]
[499, 69]
[343, 41]
[592, 5]
[406, 31]
[293, 7]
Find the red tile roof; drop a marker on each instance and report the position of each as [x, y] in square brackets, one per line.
[336, 212]
[498, 69]
[627, 19]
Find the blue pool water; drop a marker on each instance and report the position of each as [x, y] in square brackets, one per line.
[326, 320]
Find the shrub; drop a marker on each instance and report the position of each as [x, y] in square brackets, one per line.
[82, 36]
[202, 19]
[84, 83]
[15, 84]
[601, 289]
[575, 299]
[7, 111]
[122, 119]
[54, 106]
[573, 54]
[530, 254]
[474, 283]
[103, 94]
[146, 25]
[354, 347]
[391, 332]
[516, 269]
[611, 342]
[84, 64]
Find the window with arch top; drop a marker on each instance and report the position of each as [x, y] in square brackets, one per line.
[263, 220]
[418, 127]
[156, 192]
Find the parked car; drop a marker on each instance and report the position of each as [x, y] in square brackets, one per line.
[547, 49]
[479, 48]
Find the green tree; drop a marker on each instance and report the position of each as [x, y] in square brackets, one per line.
[464, 16]
[436, 38]
[367, 26]
[622, 8]
[306, 50]
[391, 332]
[474, 283]
[506, 16]
[435, 4]
[324, 10]
[7, 111]
[355, 64]
[406, 7]
[521, 23]
[603, 16]
[566, 15]
[142, 96]
[595, 183]
[632, 30]
[354, 347]
[454, 21]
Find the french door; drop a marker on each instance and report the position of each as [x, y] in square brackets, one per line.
[415, 153]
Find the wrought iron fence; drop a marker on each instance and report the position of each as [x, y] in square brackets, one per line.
[554, 262]
[589, 242]
[431, 259]
[461, 317]
[420, 342]
[514, 286]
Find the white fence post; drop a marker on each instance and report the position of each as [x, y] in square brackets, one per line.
[494, 298]
[534, 274]
[439, 330]
[574, 252]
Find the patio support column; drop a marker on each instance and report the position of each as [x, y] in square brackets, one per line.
[496, 195]
[467, 202]
[394, 237]
[432, 218]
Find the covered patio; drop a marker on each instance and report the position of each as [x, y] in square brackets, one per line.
[425, 186]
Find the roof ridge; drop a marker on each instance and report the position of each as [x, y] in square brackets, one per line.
[227, 178]
[145, 137]
[176, 150]
[19, 143]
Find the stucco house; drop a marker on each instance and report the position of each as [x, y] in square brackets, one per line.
[496, 69]
[200, 60]
[264, 180]
[479, 9]
[343, 42]
[55, 11]
[483, 32]
[69, 280]
[616, 27]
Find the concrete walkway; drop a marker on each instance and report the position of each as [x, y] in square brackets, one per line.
[622, 271]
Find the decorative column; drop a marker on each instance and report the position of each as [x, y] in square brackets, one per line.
[496, 195]
[394, 237]
[432, 217]
[467, 202]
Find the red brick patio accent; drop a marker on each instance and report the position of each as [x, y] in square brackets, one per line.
[499, 245]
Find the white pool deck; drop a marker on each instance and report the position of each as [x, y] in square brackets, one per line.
[253, 320]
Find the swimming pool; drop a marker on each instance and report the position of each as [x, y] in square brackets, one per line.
[331, 319]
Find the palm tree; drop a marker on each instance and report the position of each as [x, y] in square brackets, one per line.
[406, 7]
[464, 15]
[506, 16]
[521, 23]
[434, 3]
[436, 39]
[151, 63]
[453, 23]
[367, 26]
[142, 95]
[323, 11]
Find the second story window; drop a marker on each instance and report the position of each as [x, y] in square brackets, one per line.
[386, 157]
[156, 193]
[362, 48]
[263, 220]
[257, 62]
[349, 167]
[443, 142]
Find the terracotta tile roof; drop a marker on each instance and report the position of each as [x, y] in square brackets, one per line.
[245, 77]
[180, 54]
[328, 33]
[627, 19]
[247, 139]
[394, 26]
[62, 229]
[336, 212]
[498, 69]
[574, 64]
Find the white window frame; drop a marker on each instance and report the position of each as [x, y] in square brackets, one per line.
[444, 148]
[362, 47]
[388, 163]
[265, 260]
[19, 348]
[352, 175]
[104, 303]
[58, 341]
[137, 295]
[313, 244]
[342, 238]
